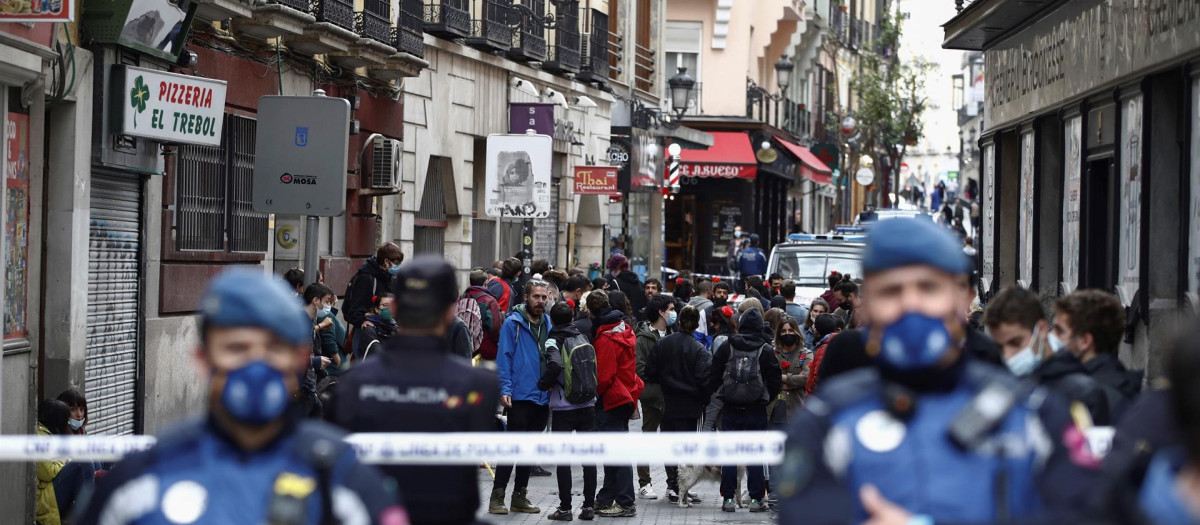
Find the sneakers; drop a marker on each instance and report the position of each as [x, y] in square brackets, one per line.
[617, 511]
[758, 506]
[561, 515]
[587, 514]
[496, 504]
[538, 471]
[647, 492]
[672, 495]
[729, 505]
[521, 503]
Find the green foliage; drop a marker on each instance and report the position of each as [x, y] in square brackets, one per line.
[891, 98]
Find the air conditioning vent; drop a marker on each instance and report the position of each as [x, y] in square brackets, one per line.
[384, 165]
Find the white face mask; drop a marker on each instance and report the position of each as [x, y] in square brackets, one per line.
[76, 424]
[1056, 344]
[1026, 361]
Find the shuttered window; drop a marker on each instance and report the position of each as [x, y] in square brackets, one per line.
[214, 209]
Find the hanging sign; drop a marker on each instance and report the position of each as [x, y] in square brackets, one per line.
[534, 115]
[168, 107]
[517, 176]
[595, 180]
[864, 176]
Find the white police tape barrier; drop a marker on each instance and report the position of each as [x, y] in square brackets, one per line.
[688, 448]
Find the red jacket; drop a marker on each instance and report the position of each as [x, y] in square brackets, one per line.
[815, 365]
[617, 382]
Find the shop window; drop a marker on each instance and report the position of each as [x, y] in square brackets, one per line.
[16, 221]
[214, 210]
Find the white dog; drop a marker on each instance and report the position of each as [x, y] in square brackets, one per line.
[690, 475]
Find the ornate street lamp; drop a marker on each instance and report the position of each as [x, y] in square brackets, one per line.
[681, 91]
[783, 72]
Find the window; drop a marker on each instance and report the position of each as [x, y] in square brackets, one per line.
[214, 211]
[682, 46]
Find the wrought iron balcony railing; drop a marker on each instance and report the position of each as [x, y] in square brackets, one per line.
[565, 55]
[491, 31]
[337, 12]
[448, 19]
[374, 21]
[408, 36]
[595, 66]
[529, 42]
[304, 6]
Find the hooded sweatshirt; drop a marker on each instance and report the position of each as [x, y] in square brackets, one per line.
[617, 382]
[519, 358]
[749, 338]
[370, 280]
[554, 378]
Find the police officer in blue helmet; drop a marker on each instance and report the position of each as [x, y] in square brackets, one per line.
[252, 458]
[928, 433]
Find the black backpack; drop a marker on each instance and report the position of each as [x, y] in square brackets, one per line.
[579, 370]
[742, 383]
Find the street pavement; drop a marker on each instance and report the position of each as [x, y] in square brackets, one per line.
[543, 492]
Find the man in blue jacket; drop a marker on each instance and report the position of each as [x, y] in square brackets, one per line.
[751, 261]
[519, 366]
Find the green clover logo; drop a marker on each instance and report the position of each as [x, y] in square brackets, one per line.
[138, 97]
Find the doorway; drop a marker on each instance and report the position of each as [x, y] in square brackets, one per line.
[680, 232]
[1098, 226]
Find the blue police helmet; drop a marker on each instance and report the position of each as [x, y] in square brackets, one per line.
[249, 298]
[896, 243]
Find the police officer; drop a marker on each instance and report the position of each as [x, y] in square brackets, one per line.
[419, 386]
[252, 459]
[927, 434]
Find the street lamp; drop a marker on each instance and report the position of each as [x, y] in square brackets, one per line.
[783, 72]
[681, 95]
[849, 125]
[681, 91]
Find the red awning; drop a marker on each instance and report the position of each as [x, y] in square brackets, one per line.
[810, 166]
[729, 157]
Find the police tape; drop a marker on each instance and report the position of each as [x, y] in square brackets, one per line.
[588, 448]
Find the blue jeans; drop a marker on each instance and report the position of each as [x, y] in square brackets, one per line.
[618, 481]
[733, 420]
[71, 480]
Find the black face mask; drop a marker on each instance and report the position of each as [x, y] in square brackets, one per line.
[719, 301]
[789, 339]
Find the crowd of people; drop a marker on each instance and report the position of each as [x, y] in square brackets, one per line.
[902, 403]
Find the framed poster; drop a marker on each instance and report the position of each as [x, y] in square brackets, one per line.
[1193, 211]
[1129, 207]
[987, 237]
[726, 216]
[517, 176]
[1072, 178]
[1025, 247]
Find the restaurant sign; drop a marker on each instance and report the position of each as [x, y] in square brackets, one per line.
[595, 180]
[168, 107]
[1109, 39]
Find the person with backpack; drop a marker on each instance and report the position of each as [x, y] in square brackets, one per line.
[680, 364]
[746, 376]
[619, 388]
[519, 367]
[570, 377]
[502, 287]
[722, 323]
[373, 279]
[378, 326]
[490, 314]
[659, 316]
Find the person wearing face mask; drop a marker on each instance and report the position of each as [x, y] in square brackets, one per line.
[416, 359]
[373, 278]
[378, 326]
[735, 246]
[1089, 324]
[818, 307]
[252, 458]
[318, 300]
[926, 434]
[659, 316]
[1014, 319]
[679, 365]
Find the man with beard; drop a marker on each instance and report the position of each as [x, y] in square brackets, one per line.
[519, 366]
[982, 448]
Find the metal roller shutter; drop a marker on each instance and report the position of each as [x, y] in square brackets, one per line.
[114, 280]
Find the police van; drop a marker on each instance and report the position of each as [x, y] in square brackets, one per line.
[808, 259]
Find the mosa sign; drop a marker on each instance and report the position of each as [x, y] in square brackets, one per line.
[595, 180]
[170, 108]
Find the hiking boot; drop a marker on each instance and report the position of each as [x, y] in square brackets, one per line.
[647, 492]
[561, 515]
[729, 505]
[521, 503]
[758, 506]
[587, 514]
[496, 504]
[617, 511]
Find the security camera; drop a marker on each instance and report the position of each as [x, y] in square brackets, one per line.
[187, 58]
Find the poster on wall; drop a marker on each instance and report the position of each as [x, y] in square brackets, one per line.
[727, 217]
[1025, 276]
[989, 218]
[1071, 196]
[1130, 207]
[1194, 202]
[16, 225]
[517, 176]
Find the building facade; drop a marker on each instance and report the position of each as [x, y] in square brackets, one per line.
[1088, 155]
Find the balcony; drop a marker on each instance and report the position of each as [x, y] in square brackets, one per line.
[276, 18]
[529, 42]
[449, 19]
[409, 34]
[595, 67]
[337, 12]
[643, 68]
[565, 56]
[374, 21]
[959, 5]
[491, 33]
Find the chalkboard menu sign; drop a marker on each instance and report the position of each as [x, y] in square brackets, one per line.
[725, 218]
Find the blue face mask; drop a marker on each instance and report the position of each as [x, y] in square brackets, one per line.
[395, 269]
[1056, 344]
[327, 310]
[914, 342]
[254, 394]
[671, 318]
[1026, 361]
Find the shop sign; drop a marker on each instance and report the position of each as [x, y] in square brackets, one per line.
[646, 168]
[1039, 67]
[722, 171]
[864, 176]
[595, 180]
[300, 155]
[827, 153]
[517, 175]
[168, 107]
[38, 11]
[538, 116]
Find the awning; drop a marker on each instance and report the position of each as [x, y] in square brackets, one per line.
[810, 166]
[729, 157]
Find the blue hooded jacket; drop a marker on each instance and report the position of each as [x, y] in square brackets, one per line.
[519, 357]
